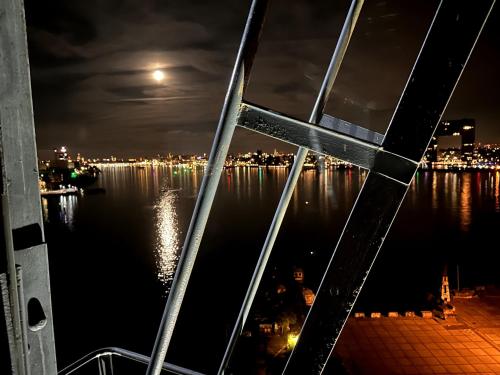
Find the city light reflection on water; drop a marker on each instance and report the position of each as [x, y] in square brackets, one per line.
[45, 209]
[156, 188]
[497, 192]
[167, 237]
[166, 195]
[129, 238]
[465, 203]
[66, 209]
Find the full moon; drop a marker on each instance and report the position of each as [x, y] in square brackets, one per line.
[158, 75]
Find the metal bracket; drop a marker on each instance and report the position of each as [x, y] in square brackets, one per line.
[329, 142]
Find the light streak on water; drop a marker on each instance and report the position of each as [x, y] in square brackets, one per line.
[167, 237]
[68, 205]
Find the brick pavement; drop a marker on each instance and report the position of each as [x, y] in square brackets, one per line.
[468, 344]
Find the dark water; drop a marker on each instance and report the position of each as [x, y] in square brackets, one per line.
[112, 255]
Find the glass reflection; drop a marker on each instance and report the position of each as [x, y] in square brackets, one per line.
[167, 241]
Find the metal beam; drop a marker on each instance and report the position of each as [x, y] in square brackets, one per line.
[447, 47]
[321, 100]
[352, 130]
[206, 195]
[24, 244]
[325, 141]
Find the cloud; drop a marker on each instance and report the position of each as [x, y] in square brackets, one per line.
[92, 60]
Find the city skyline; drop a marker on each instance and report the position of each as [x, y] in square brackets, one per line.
[478, 157]
[453, 144]
[447, 142]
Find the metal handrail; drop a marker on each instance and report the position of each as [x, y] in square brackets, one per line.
[119, 352]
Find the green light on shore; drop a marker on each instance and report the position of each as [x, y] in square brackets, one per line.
[74, 174]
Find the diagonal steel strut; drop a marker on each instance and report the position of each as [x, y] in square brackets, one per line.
[392, 163]
[446, 49]
[325, 141]
[245, 113]
[223, 135]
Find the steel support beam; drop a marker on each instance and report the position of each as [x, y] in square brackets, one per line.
[351, 130]
[26, 267]
[391, 159]
[328, 142]
[446, 49]
[316, 114]
[206, 195]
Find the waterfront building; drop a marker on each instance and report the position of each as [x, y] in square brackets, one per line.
[308, 296]
[464, 128]
[298, 275]
[61, 159]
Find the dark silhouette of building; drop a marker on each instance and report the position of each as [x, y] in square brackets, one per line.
[465, 128]
[61, 159]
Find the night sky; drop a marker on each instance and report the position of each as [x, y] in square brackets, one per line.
[92, 66]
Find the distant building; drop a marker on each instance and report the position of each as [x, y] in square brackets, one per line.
[61, 153]
[266, 329]
[308, 295]
[298, 275]
[280, 289]
[445, 289]
[464, 128]
[61, 159]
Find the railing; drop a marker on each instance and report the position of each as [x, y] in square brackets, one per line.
[116, 361]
